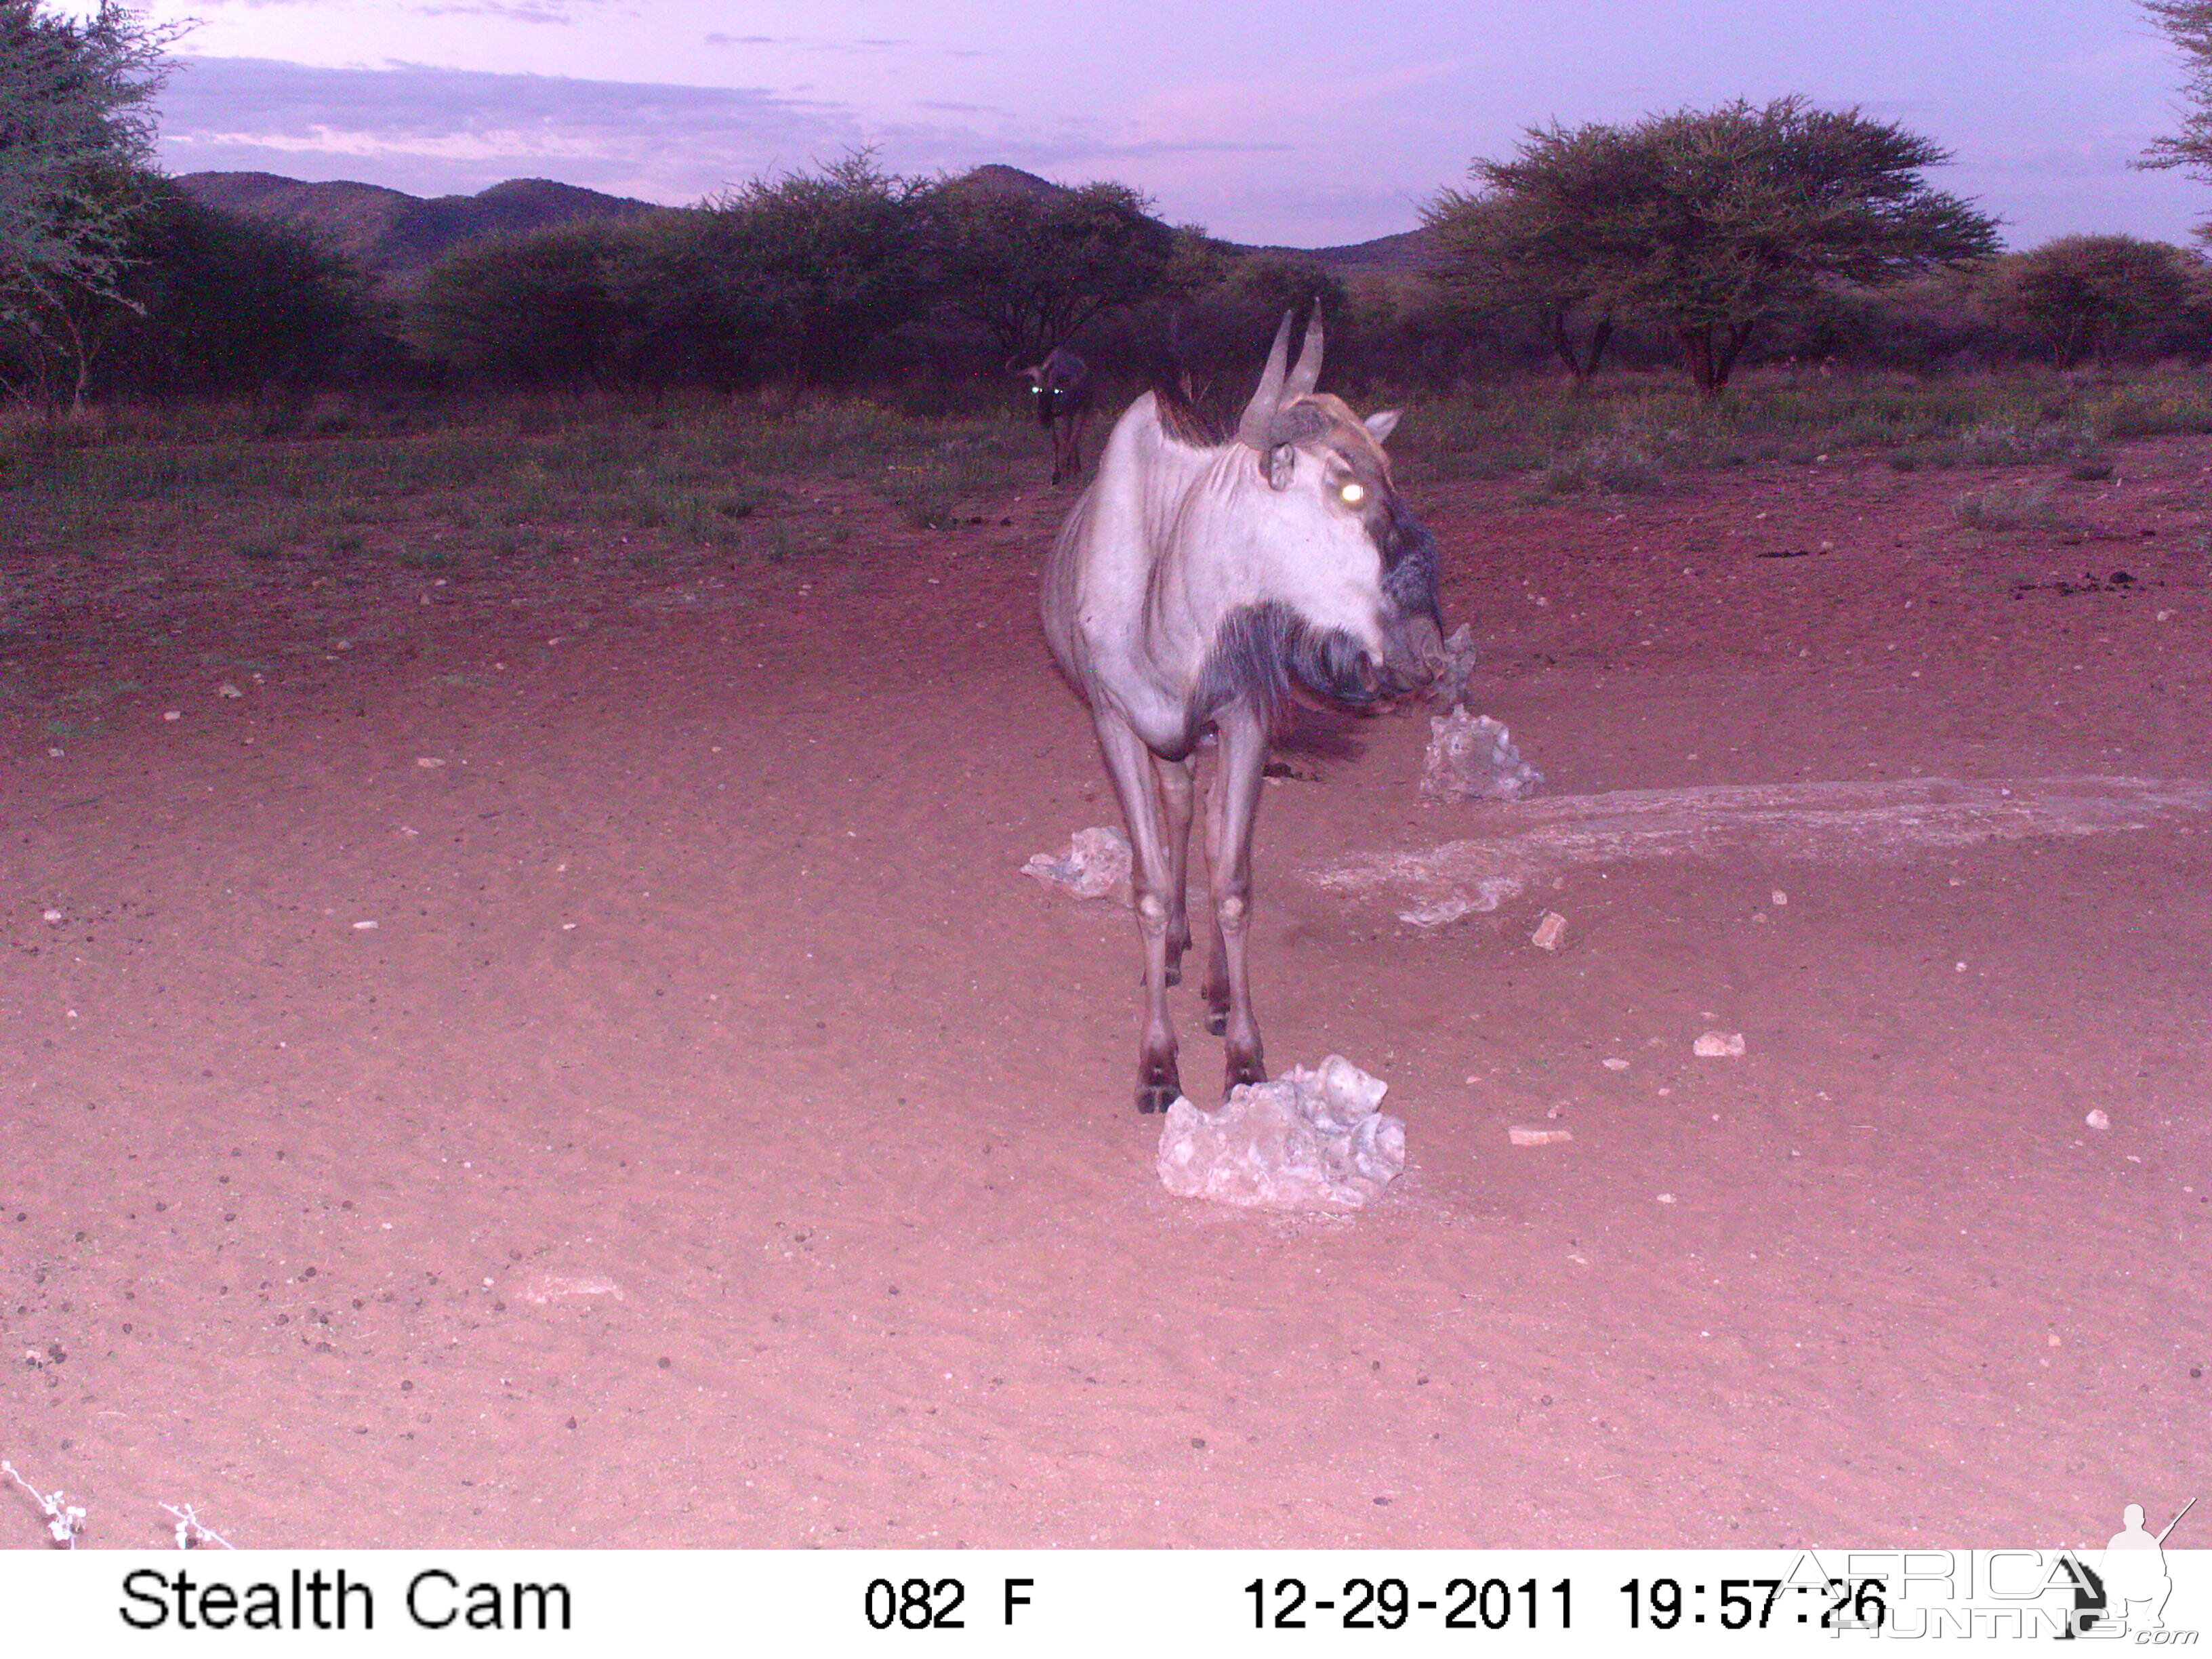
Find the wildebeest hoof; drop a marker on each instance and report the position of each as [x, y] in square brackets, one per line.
[1159, 1085]
[1217, 1020]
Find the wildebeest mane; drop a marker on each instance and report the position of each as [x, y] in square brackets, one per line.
[1182, 420]
[1168, 376]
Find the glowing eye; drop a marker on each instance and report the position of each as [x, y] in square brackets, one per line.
[1353, 493]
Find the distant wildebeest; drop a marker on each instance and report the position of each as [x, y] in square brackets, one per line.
[1194, 585]
[1061, 387]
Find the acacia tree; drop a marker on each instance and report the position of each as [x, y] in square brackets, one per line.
[823, 264]
[2188, 24]
[2085, 295]
[1709, 223]
[535, 308]
[76, 138]
[210, 301]
[1518, 244]
[1032, 269]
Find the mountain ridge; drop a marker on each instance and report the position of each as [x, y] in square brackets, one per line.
[395, 237]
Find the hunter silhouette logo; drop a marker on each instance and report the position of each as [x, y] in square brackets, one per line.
[2127, 1590]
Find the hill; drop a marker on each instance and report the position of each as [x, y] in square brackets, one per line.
[1403, 253]
[396, 236]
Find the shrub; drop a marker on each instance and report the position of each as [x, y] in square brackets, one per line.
[2005, 507]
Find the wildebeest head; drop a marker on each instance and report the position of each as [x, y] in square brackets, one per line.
[1060, 384]
[1348, 559]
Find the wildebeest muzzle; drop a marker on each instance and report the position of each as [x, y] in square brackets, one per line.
[1412, 626]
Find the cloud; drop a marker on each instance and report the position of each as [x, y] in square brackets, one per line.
[804, 43]
[1103, 149]
[422, 128]
[522, 11]
[434, 131]
[438, 130]
[514, 11]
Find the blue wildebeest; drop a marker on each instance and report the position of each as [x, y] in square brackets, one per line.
[1061, 386]
[1195, 584]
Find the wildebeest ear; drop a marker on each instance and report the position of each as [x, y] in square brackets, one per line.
[1381, 424]
[1282, 464]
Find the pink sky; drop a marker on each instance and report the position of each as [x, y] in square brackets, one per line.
[1289, 122]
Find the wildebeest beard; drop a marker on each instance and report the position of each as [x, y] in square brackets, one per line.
[1262, 650]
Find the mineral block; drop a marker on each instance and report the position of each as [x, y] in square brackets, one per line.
[1313, 1140]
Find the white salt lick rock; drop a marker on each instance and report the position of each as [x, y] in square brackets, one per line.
[1094, 863]
[1472, 758]
[1312, 1140]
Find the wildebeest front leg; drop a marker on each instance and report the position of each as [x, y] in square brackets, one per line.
[1070, 429]
[1232, 806]
[1129, 764]
[1174, 783]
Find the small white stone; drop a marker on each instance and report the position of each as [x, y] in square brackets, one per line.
[1779, 898]
[1550, 931]
[428, 761]
[171, 715]
[53, 916]
[1524, 1137]
[2098, 1120]
[362, 926]
[1666, 1198]
[1615, 1064]
[1718, 1045]
[227, 689]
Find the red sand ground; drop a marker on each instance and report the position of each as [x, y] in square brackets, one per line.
[716, 1141]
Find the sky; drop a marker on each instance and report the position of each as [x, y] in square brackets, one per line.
[1305, 123]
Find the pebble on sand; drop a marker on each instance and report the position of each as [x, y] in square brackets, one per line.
[1525, 1137]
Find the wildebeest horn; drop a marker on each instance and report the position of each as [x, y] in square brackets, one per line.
[1301, 378]
[1259, 413]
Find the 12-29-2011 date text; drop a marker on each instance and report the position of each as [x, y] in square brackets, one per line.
[1393, 1604]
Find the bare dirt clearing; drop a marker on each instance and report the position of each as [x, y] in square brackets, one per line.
[567, 1055]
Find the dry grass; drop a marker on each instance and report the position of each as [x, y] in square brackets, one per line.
[526, 479]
